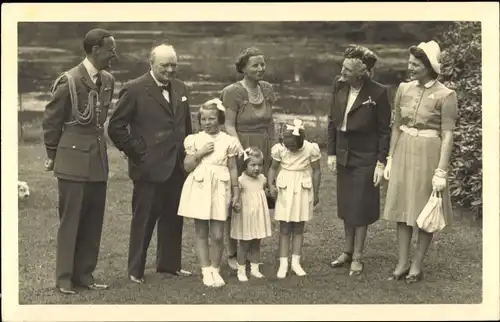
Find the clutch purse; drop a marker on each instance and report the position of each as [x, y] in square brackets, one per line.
[431, 218]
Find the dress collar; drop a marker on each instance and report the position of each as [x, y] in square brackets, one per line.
[429, 84]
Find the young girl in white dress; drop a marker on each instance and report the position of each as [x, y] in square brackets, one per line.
[253, 222]
[296, 190]
[206, 195]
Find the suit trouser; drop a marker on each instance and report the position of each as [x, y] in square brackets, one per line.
[81, 214]
[156, 203]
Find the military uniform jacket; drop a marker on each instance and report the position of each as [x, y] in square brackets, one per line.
[149, 129]
[367, 136]
[73, 126]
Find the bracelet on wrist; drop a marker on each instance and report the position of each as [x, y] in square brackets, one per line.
[440, 173]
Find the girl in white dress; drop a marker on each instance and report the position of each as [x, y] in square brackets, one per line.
[253, 222]
[296, 190]
[206, 194]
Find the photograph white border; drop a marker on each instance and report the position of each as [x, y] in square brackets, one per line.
[485, 12]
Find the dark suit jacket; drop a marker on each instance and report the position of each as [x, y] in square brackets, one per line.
[145, 127]
[367, 136]
[79, 150]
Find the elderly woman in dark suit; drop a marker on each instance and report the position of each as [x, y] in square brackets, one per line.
[358, 144]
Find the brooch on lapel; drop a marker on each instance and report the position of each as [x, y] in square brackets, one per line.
[369, 102]
[183, 99]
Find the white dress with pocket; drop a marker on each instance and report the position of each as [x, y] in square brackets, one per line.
[253, 221]
[206, 193]
[294, 182]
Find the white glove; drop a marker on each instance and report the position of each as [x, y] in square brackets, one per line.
[332, 163]
[439, 180]
[387, 170]
[378, 174]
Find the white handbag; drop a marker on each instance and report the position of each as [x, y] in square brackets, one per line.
[431, 218]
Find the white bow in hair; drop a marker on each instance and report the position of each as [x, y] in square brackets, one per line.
[218, 103]
[296, 127]
[245, 153]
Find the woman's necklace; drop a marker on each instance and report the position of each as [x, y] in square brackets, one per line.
[255, 95]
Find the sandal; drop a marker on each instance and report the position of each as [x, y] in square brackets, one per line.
[344, 258]
[400, 276]
[356, 272]
[414, 278]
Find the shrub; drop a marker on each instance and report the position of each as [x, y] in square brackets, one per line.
[461, 70]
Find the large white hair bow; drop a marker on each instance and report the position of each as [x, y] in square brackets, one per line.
[296, 127]
[246, 153]
[217, 103]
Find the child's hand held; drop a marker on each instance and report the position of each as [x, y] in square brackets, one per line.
[273, 191]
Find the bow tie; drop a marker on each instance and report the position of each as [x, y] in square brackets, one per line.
[165, 87]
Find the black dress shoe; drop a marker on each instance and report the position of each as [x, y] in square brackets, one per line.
[67, 291]
[180, 272]
[96, 287]
[136, 279]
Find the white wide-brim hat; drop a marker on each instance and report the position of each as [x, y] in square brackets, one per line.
[432, 51]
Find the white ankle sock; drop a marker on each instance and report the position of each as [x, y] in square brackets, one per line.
[295, 259]
[254, 270]
[296, 267]
[242, 273]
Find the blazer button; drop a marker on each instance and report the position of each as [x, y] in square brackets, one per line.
[73, 147]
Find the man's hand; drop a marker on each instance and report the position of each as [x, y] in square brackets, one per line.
[49, 165]
[332, 163]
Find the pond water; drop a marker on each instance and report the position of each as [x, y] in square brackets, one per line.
[301, 69]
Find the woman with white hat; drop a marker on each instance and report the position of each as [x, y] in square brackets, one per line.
[425, 113]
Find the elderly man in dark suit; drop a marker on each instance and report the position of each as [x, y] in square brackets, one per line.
[77, 153]
[358, 144]
[149, 125]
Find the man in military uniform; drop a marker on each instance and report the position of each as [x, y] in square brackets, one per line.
[150, 122]
[77, 154]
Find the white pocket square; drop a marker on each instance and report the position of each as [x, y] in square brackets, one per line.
[184, 98]
[431, 96]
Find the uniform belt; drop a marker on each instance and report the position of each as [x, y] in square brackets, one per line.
[84, 129]
[416, 132]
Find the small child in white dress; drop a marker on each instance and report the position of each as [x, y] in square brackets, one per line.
[296, 191]
[253, 222]
[206, 195]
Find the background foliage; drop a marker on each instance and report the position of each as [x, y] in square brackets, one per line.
[462, 71]
[303, 58]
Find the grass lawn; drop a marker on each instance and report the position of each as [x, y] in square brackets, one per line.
[453, 265]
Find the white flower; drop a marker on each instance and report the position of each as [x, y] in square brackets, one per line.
[23, 191]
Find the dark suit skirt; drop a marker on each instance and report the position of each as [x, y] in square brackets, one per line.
[358, 201]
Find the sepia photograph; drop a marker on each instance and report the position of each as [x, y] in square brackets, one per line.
[254, 162]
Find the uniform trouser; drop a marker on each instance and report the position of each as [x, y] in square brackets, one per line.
[156, 204]
[81, 213]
